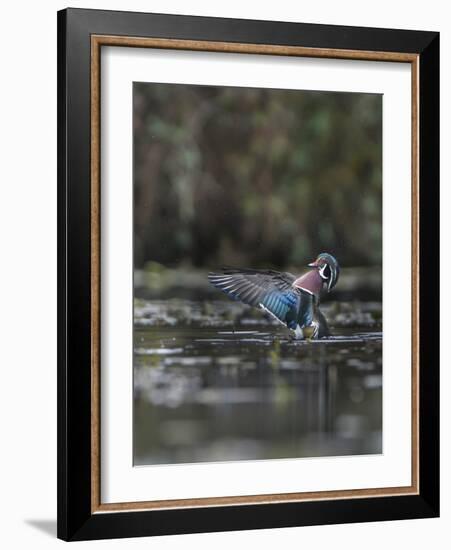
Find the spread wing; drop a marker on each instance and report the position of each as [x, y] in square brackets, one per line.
[269, 290]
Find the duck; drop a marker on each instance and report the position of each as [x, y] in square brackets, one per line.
[292, 300]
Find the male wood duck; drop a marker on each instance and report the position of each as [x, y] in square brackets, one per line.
[293, 301]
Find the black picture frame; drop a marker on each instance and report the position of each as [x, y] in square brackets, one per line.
[76, 520]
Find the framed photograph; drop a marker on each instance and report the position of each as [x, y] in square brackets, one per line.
[248, 274]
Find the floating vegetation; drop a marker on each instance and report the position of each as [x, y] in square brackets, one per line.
[221, 314]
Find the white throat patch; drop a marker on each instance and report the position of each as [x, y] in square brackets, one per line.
[321, 272]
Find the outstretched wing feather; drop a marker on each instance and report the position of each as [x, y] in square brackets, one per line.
[251, 286]
[270, 290]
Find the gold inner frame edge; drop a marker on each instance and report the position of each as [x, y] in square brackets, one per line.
[97, 41]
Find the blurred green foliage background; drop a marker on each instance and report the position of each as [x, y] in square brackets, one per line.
[256, 177]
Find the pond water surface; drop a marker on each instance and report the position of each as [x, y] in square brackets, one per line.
[217, 381]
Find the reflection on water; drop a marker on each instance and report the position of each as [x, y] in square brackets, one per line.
[223, 383]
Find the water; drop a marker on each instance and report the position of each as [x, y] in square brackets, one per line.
[217, 381]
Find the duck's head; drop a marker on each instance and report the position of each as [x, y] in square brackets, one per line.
[328, 269]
